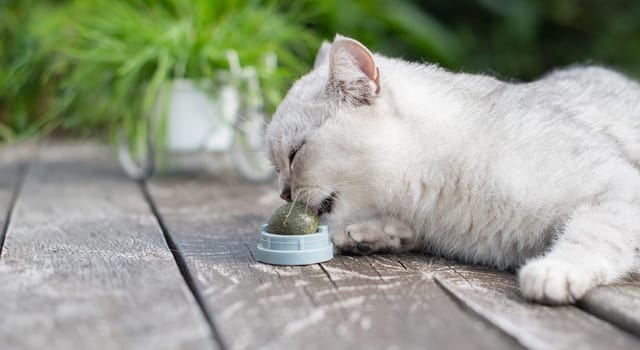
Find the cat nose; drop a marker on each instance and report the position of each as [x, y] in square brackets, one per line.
[286, 193]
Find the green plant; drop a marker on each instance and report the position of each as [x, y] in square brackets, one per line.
[86, 67]
[25, 89]
[522, 39]
[396, 28]
[117, 56]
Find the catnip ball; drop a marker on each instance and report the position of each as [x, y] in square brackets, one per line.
[293, 219]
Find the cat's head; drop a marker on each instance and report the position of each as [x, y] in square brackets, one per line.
[328, 139]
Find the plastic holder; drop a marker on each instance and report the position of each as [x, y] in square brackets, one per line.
[306, 249]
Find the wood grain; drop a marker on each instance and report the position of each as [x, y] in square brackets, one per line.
[85, 265]
[495, 296]
[618, 304]
[346, 303]
[407, 309]
[253, 305]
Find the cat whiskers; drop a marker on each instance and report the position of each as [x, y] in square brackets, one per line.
[309, 192]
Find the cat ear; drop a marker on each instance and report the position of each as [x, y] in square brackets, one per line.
[354, 77]
[323, 54]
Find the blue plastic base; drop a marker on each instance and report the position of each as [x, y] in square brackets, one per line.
[295, 249]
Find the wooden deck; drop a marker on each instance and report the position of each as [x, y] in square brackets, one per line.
[93, 260]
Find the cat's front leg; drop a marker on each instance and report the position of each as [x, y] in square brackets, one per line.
[376, 235]
[596, 247]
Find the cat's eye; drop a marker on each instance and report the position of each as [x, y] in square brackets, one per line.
[294, 152]
[292, 155]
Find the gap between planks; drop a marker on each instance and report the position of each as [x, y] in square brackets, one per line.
[618, 304]
[16, 159]
[17, 187]
[466, 308]
[182, 267]
[493, 295]
[459, 302]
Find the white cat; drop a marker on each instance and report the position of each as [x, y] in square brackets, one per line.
[402, 156]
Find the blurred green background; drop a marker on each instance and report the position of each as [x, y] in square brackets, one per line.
[89, 67]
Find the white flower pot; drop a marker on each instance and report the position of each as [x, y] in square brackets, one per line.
[201, 121]
[197, 121]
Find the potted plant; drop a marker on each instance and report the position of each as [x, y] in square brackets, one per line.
[127, 67]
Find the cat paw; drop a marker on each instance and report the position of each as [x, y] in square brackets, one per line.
[554, 282]
[367, 238]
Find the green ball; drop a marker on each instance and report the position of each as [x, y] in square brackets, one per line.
[293, 219]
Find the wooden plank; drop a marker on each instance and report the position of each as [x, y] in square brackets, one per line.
[215, 226]
[618, 304]
[85, 265]
[407, 309]
[346, 303]
[495, 296]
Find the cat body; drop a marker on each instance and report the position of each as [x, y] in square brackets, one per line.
[403, 156]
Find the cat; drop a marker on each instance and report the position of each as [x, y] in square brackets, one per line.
[543, 177]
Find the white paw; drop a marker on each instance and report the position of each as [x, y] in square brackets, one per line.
[554, 282]
[367, 238]
[364, 232]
